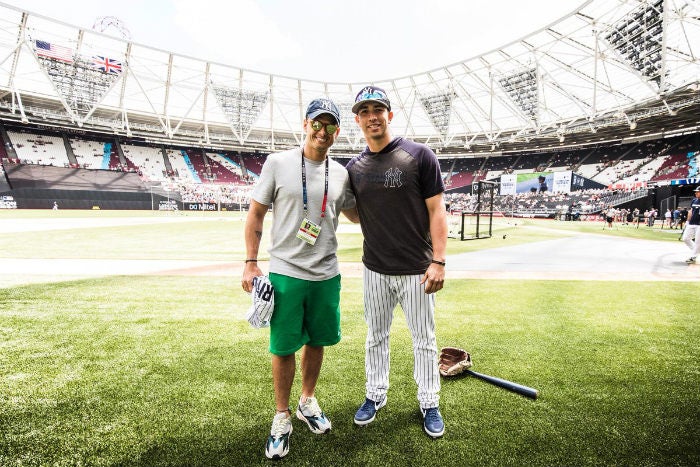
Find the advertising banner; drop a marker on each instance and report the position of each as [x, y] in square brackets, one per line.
[508, 182]
[562, 182]
[540, 182]
[534, 182]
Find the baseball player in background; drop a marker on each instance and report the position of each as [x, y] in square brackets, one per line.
[399, 192]
[692, 228]
[308, 191]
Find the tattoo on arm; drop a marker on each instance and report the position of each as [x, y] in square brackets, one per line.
[258, 233]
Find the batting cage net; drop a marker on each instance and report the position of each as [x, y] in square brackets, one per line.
[476, 221]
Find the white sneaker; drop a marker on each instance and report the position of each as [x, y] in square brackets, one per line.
[312, 414]
[277, 445]
[690, 260]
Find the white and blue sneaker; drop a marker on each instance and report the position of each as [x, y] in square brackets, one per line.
[311, 413]
[277, 445]
[432, 422]
[368, 410]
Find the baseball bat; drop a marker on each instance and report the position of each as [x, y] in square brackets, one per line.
[509, 385]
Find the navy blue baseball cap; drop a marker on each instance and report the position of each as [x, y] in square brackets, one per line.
[371, 94]
[322, 106]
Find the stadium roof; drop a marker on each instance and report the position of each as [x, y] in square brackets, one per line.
[608, 71]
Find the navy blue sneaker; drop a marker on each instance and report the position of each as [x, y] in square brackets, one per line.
[432, 422]
[368, 410]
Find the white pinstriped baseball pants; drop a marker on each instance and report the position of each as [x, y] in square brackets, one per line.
[692, 232]
[381, 295]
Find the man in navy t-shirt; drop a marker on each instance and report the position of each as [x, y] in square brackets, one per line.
[690, 234]
[399, 191]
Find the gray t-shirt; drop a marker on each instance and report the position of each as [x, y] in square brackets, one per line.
[280, 186]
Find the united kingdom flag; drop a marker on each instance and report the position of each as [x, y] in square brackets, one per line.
[107, 65]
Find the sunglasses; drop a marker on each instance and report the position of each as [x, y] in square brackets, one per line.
[330, 129]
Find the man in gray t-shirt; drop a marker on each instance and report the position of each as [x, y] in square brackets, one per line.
[307, 191]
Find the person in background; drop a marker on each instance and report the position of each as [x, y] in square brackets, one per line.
[668, 215]
[610, 216]
[683, 217]
[676, 217]
[625, 216]
[652, 217]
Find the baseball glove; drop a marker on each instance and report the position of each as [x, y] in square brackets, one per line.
[453, 361]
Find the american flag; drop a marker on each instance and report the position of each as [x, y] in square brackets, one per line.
[107, 65]
[57, 52]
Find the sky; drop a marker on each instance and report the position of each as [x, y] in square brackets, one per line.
[323, 40]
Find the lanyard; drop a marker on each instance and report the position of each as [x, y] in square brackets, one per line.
[303, 188]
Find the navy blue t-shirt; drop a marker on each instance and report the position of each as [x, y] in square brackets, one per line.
[391, 187]
[694, 212]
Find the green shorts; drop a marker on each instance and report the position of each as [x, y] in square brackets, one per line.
[306, 312]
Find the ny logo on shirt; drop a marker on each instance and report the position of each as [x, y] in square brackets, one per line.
[393, 178]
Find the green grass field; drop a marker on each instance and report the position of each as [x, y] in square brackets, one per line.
[165, 371]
